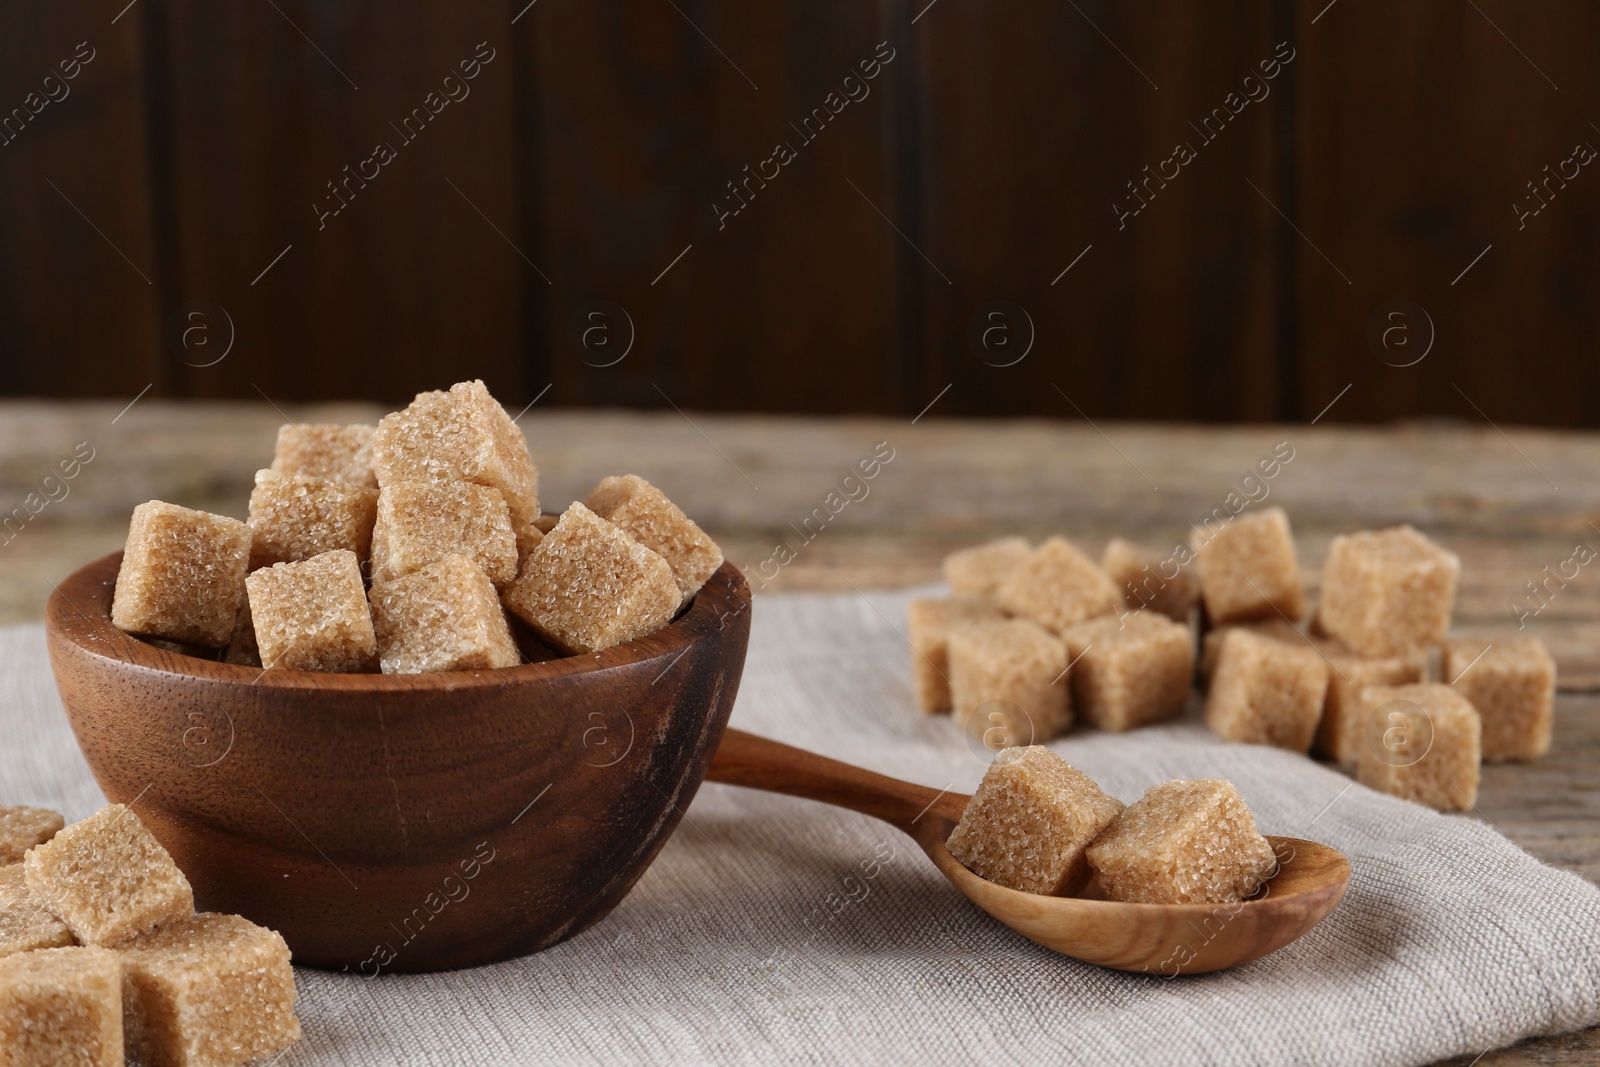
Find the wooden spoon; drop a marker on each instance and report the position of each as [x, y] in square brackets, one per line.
[1161, 939]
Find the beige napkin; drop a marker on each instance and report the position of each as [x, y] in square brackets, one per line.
[746, 943]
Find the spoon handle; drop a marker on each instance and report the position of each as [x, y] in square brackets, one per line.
[758, 763]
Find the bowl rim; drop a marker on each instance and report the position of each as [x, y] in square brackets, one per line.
[78, 612]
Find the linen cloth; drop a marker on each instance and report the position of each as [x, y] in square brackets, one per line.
[777, 930]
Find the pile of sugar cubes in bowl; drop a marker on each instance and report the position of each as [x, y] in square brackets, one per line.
[412, 546]
[1036, 637]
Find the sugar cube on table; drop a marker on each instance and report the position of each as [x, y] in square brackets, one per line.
[1266, 691]
[242, 648]
[326, 451]
[1211, 645]
[419, 523]
[25, 923]
[1387, 591]
[108, 878]
[444, 617]
[1183, 842]
[61, 1006]
[928, 630]
[1340, 732]
[1512, 684]
[1129, 671]
[589, 586]
[1248, 569]
[644, 513]
[293, 518]
[1007, 682]
[313, 615]
[462, 435]
[182, 575]
[22, 827]
[1149, 580]
[1057, 585]
[208, 991]
[980, 570]
[1422, 742]
[1028, 824]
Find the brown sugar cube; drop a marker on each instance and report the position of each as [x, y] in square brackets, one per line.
[545, 523]
[1129, 671]
[108, 878]
[208, 991]
[1211, 645]
[1183, 842]
[294, 518]
[1057, 586]
[422, 522]
[1248, 568]
[1144, 580]
[979, 570]
[1007, 682]
[928, 629]
[1339, 733]
[1266, 691]
[242, 648]
[589, 586]
[1030, 820]
[22, 827]
[327, 452]
[25, 923]
[1388, 591]
[444, 617]
[313, 615]
[1512, 684]
[644, 513]
[182, 575]
[1423, 743]
[61, 1006]
[514, 474]
[462, 435]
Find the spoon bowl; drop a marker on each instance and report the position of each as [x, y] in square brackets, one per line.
[1161, 939]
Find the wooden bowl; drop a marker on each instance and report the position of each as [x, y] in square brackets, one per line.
[404, 822]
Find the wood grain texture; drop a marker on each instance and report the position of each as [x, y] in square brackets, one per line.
[269, 105]
[1456, 109]
[335, 808]
[1165, 939]
[80, 279]
[987, 156]
[1041, 121]
[646, 119]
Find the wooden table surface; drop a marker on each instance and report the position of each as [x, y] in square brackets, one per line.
[1511, 502]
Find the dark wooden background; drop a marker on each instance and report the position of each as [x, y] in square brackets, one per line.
[987, 157]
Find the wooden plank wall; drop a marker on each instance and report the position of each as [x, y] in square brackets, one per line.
[1422, 125]
[658, 130]
[1046, 131]
[80, 281]
[1213, 212]
[282, 116]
